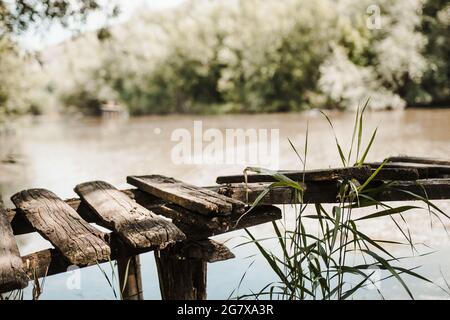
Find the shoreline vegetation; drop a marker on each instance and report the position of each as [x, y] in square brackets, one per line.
[240, 57]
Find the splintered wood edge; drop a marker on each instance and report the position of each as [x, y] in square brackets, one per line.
[78, 241]
[123, 215]
[197, 199]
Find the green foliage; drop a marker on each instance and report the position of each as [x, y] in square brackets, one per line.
[436, 26]
[253, 56]
[274, 56]
[317, 261]
[20, 91]
[83, 100]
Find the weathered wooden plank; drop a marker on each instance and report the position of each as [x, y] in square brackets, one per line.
[433, 189]
[358, 173]
[191, 224]
[136, 225]
[397, 174]
[422, 160]
[12, 275]
[50, 261]
[55, 220]
[425, 171]
[209, 225]
[187, 196]
[195, 226]
[315, 192]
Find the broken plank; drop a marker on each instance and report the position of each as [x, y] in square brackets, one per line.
[50, 261]
[196, 199]
[358, 173]
[319, 192]
[425, 171]
[315, 192]
[255, 217]
[12, 275]
[397, 174]
[198, 226]
[422, 160]
[56, 221]
[194, 225]
[136, 225]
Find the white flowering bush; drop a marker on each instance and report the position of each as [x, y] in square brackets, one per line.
[261, 56]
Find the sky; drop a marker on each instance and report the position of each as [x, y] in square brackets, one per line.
[37, 39]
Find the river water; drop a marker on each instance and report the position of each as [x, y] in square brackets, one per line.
[58, 153]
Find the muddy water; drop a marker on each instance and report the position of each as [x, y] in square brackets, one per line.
[59, 153]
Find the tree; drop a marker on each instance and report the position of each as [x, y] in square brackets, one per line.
[20, 89]
[18, 16]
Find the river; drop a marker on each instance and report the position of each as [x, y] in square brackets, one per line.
[58, 153]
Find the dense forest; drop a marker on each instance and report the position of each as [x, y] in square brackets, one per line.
[241, 56]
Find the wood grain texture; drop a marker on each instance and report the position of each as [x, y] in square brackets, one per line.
[327, 175]
[359, 173]
[12, 274]
[195, 226]
[423, 160]
[136, 225]
[56, 221]
[196, 199]
[319, 192]
[425, 171]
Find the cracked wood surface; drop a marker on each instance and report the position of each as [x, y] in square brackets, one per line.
[12, 275]
[78, 241]
[136, 225]
[196, 199]
[319, 192]
[327, 175]
[425, 170]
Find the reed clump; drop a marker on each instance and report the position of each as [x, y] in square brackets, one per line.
[313, 263]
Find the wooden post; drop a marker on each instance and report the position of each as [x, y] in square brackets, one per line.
[180, 278]
[130, 279]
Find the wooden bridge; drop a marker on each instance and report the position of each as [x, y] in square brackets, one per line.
[176, 220]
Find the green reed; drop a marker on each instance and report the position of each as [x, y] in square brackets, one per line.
[315, 264]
